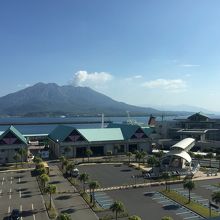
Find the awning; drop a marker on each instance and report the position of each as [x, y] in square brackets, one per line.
[182, 154]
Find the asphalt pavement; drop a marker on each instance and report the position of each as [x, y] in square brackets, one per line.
[19, 190]
[67, 199]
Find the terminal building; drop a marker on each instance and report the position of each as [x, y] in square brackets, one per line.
[116, 139]
[204, 129]
[11, 140]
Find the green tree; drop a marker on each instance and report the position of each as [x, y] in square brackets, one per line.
[143, 155]
[65, 164]
[84, 177]
[166, 177]
[44, 179]
[152, 161]
[134, 217]
[37, 160]
[117, 207]
[210, 156]
[198, 157]
[167, 218]
[216, 197]
[51, 189]
[64, 216]
[88, 153]
[67, 150]
[138, 157]
[62, 159]
[70, 167]
[23, 154]
[129, 155]
[16, 157]
[92, 186]
[190, 185]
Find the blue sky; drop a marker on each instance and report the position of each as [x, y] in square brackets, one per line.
[145, 52]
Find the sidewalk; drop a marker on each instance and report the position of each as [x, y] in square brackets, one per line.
[67, 199]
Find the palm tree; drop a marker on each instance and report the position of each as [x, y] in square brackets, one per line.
[143, 155]
[190, 185]
[64, 216]
[83, 178]
[210, 156]
[44, 179]
[70, 168]
[138, 157]
[117, 207]
[51, 189]
[129, 154]
[166, 176]
[16, 158]
[65, 164]
[88, 153]
[152, 161]
[62, 159]
[198, 157]
[23, 153]
[134, 217]
[37, 160]
[216, 197]
[67, 150]
[92, 186]
[167, 218]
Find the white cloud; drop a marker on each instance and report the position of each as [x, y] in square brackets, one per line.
[134, 77]
[189, 65]
[83, 78]
[174, 85]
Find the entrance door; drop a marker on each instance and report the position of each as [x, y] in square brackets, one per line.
[97, 151]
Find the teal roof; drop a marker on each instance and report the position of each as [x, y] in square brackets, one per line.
[148, 130]
[128, 129]
[15, 132]
[61, 132]
[102, 134]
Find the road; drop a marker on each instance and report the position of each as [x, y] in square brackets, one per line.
[19, 190]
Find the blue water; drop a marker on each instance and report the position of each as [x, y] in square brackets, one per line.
[46, 129]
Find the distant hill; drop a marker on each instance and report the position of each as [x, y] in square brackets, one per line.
[51, 100]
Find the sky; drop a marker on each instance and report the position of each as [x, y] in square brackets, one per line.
[142, 52]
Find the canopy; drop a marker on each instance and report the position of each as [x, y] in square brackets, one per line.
[182, 154]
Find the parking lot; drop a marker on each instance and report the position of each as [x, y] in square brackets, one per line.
[151, 205]
[109, 175]
[19, 190]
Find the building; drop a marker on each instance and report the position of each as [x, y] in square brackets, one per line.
[11, 140]
[116, 138]
[204, 129]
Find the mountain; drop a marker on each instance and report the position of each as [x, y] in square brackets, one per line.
[51, 100]
[186, 108]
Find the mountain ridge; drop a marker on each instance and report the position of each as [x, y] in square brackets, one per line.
[52, 99]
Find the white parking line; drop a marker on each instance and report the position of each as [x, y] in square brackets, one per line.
[10, 194]
[32, 207]
[11, 179]
[21, 211]
[19, 180]
[181, 213]
[190, 217]
[0, 192]
[20, 192]
[9, 209]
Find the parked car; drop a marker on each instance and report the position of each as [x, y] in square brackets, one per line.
[15, 214]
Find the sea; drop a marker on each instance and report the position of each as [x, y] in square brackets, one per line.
[44, 129]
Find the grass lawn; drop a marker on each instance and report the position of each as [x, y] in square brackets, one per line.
[196, 207]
